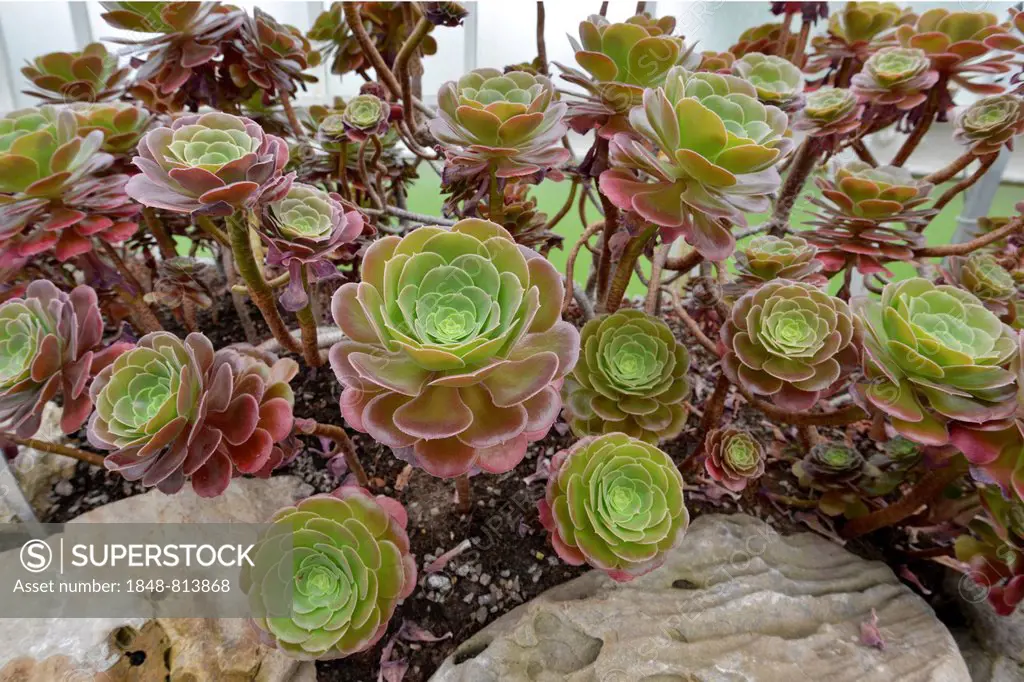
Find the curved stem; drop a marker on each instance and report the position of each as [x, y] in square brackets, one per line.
[985, 163]
[365, 176]
[803, 163]
[925, 122]
[54, 448]
[259, 291]
[419, 32]
[954, 167]
[163, 240]
[684, 263]
[307, 326]
[967, 247]
[926, 490]
[624, 270]
[347, 447]
[654, 284]
[570, 262]
[693, 327]
[355, 24]
[850, 414]
[566, 207]
[293, 120]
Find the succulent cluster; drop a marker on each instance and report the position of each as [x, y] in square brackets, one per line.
[789, 341]
[990, 124]
[328, 573]
[91, 75]
[994, 551]
[630, 378]
[365, 116]
[897, 77]
[828, 466]
[615, 503]
[765, 258]
[712, 170]
[734, 458]
[456, 348]
[981, 274]
[776, 80]
[853, 30]
[173, 410]
[829, 111]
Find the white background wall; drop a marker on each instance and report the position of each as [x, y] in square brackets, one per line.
[498, 32]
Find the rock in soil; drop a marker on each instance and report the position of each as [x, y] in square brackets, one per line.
[197, 650]
[40, 473]
[735, 596]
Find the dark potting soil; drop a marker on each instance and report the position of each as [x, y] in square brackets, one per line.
[508, 560]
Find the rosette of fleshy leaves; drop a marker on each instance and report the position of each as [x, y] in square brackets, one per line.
[734, 458]
[616, 503]
[91, 75]
[181, 38]
[869, 216]
[777, 80]
[49, 195]
[893, 466]
[714, 156]
[621, 60]
[1011, 42]
[789, 342]
[456, 348]
[937, 364]
[841, 474]
[766, 257]
[718, 62]
[766, 39]
[385, 24]
[994, 550]
[990, 124]
[630, 378]
[365, 116]
[510, 123]
[271, 57]
[981, 274]
[829, 112]
[174, 411]
[208, 164]
[525, 222]
[895, 77]
[855, 32]
[51, 343]
[301, 230]
[122, 124]
[328, 573]
[955, 44]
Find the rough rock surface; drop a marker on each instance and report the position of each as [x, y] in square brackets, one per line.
[37, 472]
[735, 602]
[212, 651]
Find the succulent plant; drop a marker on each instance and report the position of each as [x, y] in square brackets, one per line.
[301, 230]
[829, 111]
[207, 164]
[830, 465]
[990, 124]
[981, 274]
[777, 80]
[50, 344]
[734, 458]
[994, 550]
[121, 123]
[955, 43]
[616, 503]
[327, 574]
[859, 204]
[456, 349]
[718, 146]
[91, 75]
[182, 281]
[186, 36]
[621, 60]
[720, 62]
[855, 31]
[790, 342]
[895, 77]
[766, 39]
[630, 378]
[509, 122]
[936, 362]
[765, 258]
[172, 410]
[271, 57]
[524, 221]
[365, 116]
[1012, 42]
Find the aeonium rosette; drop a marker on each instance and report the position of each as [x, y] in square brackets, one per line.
[174, 410]
[301, 230]
[208, 164]
[50, 343]
[455, 349]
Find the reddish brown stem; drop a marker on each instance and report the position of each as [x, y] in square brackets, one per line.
[542, 50]
[947, 196]
[355, 24]
[402, 62]
[967, 247]
[713, 409]
[916, 135]
[570, 262]
[464, 494]
[954, 167]
[927, 489]
[799, 170]
[293, 120]
[684, 263]
[163, 240]
[54, 448]
[347, 447]
[624, 270]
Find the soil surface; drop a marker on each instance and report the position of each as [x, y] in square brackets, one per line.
[503, 558]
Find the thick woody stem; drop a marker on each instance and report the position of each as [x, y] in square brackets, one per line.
[347, 447]
[54, 448]
[713, 410]
[654, 286]
[918, 133]
[926, 490]
[808, 436]
[206, 225]
[402, 61]
[355, 24]
[496, 203]
[542, 50]
[570, 262]
[307, 326]
[293, 120]
[984, 164]
[850, 414]
[238, 299]
[163, 240]
[967, 247]
[863, 153]
[803, 163]
[624, 270]
[684, 263]
[954, 167]
[259, 291]
[693, 327]
[464, 494]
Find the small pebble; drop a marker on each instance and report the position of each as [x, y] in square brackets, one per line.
[481, 614]
[441, 583]
[485, 579]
